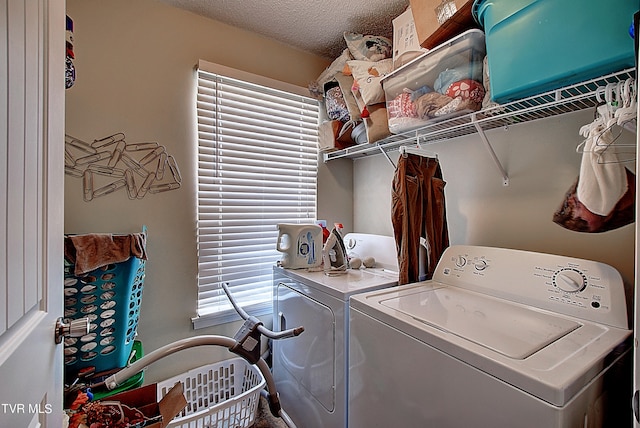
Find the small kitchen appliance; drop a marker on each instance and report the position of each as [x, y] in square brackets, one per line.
[301, 245]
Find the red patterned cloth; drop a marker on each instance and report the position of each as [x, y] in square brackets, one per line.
[402, 106]
[466, 89]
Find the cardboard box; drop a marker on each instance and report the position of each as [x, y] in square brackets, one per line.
[431, 32]
[332, 136]
[405, 39]
[144, 399]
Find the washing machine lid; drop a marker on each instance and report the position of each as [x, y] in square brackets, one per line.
[550, 356]
[515, 332]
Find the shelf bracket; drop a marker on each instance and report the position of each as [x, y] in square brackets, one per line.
[487, 144]
[386, 155]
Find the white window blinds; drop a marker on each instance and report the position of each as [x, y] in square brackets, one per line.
[257, 166]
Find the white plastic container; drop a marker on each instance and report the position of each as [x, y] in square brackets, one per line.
[301, 245]
[224, 395]
[428, 88]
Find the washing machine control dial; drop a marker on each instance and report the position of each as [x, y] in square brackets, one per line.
[570, 280]
[480, 265]
[460, 261]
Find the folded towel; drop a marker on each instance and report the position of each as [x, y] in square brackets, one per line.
[91, 251]
[603, 180]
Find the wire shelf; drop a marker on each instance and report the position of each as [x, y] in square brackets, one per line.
[569, 99]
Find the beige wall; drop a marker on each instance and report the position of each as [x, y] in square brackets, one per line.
[135, 74]
[541, 160]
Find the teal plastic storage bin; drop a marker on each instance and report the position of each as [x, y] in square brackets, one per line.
[535, 46]
[110, 297]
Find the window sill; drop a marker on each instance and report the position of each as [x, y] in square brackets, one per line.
[230, 315]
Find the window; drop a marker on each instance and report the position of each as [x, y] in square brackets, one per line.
[257, 167]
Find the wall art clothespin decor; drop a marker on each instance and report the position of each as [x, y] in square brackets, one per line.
[110, 164]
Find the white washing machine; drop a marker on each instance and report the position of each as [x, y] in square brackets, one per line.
[498, 338]
[310, 370]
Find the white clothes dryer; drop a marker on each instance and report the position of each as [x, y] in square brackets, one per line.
[498, 338]
[310, 370]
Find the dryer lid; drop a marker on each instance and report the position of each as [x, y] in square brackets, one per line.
[515, 331]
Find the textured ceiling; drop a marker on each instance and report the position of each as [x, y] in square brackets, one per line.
[314, 25]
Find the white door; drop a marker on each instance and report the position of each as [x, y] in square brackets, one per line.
[636, 328]
[32, 52]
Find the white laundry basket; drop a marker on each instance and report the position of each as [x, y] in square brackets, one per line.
[220, 395]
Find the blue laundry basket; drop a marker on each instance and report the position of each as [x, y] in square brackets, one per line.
[110, 297]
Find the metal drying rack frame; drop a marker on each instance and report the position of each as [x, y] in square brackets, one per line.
[568, 99]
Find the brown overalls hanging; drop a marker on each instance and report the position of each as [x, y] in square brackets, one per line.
[418, 210]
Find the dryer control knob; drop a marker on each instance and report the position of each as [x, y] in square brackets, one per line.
[351, 243]
[570, 280]
[461, 261]
[480, 265]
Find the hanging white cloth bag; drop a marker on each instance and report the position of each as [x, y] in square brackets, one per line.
[603, 179]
